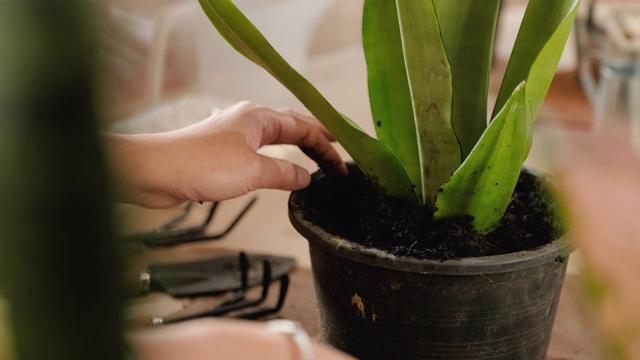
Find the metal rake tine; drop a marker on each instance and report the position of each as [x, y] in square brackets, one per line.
[194, 229]
[244, 281]
[210, 215]
[189, 235]
[266, 282]
[164, 230]
[284, 287]
[233, 224]
[173, 222]
[223, 309]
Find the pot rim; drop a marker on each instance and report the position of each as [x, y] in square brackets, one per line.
[557, 250]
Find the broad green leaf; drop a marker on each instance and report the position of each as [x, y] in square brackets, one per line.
[482, 187]
[375, 159]
[389, 93]
[429, 77]
[468, 30]
[541, 39]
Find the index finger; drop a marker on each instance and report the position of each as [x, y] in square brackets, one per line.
[312, 120]
[307, 133]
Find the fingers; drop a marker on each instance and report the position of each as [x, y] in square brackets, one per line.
[308, 134]
[289, 127]
[282, 175]
[312, 120]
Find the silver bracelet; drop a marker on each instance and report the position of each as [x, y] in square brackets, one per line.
[297, 333]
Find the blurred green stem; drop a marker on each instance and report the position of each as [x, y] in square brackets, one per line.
[59, 264]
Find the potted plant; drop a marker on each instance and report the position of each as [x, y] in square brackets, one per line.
[438, 244]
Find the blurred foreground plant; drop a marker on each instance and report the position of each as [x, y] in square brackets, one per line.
[59, 269]
[606, 230]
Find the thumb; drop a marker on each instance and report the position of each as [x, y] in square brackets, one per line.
[282, 175]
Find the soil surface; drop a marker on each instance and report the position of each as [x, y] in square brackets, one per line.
[351, 208]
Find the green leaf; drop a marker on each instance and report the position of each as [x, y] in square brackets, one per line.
[468, 30]
[375, 159]
[482, 187]
[542, 37]
[429, 77]
[389, 93]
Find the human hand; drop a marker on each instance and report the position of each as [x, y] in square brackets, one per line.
[221, 339]
[217, 159]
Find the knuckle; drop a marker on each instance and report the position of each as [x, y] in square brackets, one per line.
[313, 137]
[245, 107]
[245, 104]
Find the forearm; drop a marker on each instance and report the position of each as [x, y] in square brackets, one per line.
[216, 159]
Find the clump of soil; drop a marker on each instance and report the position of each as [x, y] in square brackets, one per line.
[351, 208]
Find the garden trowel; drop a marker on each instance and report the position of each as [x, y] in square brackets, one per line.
[219, 274]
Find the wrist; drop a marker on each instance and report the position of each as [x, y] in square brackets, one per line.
[138, 174]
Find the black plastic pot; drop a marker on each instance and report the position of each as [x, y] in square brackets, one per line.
[374, 305]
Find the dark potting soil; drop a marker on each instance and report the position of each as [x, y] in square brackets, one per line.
[351, 208]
